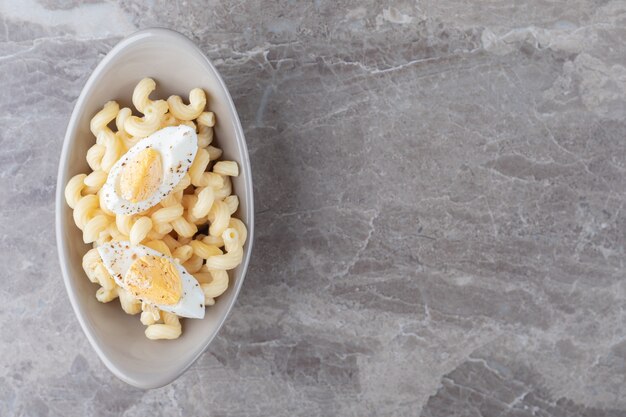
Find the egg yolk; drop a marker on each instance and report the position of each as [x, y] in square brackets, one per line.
[155, 280]
[141, 176]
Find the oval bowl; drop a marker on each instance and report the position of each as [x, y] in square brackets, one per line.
[177, 65]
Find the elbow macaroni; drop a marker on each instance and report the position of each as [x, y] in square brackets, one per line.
[205, 135]
[219, 217]
[215, 287]
[228, 168]
[73, 190]
[105, 116]
[198, 167]
[141, 93]
[149, 123]
[140, 230]
[94, 156]
[170, 329]
[197, 102]
[203, 203]
[207, 119]
[112, 149]
[202, 199]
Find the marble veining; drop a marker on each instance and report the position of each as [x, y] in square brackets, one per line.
[440, 193]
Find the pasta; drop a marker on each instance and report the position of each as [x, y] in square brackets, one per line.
[207, 119]
[241, 229]
[120, 119]
[184, 240]
[205, 135]
[214, 152]
[90, 262]
[95, 179]
[159, 246]
[213, 240]
[127, 141]
[203, 276]
[74, 189]
[170, 329]
[112, 150]
[104, 278]
[219, 216]
[149, 314]
[168, 120]
[197, 101]
[123, 223]
[167, 214]
[226, 190]
[232, 201]
[216, 287]
[229, 260]
[83, 210]
[188, 201]
[115, 233]
[203, 203]
[94, 156]
[231, 239]
[184, 228]
[103, 206]
[173, 198]
[148, 124]
[129, 304]
[171, 243]
[198, 167]
[202, 199]
[204, 250]
[163, 228]
[183, 253]
[140, 230]
[104, 296]
[186, 123]
[100, 121]
[229, 168]
[154, 234]
[141, 93]
[211, 179]
[194, 263]
[94, 227]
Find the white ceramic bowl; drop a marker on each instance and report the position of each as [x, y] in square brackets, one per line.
[178, 66]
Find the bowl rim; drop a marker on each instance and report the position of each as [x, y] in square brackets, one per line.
[128, 41]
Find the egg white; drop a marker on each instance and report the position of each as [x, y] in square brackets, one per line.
[177, 146]
[118, 258]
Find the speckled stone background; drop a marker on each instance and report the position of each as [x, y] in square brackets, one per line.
[440, 191]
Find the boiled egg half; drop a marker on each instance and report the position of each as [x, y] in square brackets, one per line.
[148, 172]
[153, 278]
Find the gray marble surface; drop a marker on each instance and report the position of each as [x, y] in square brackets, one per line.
[440, 189]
